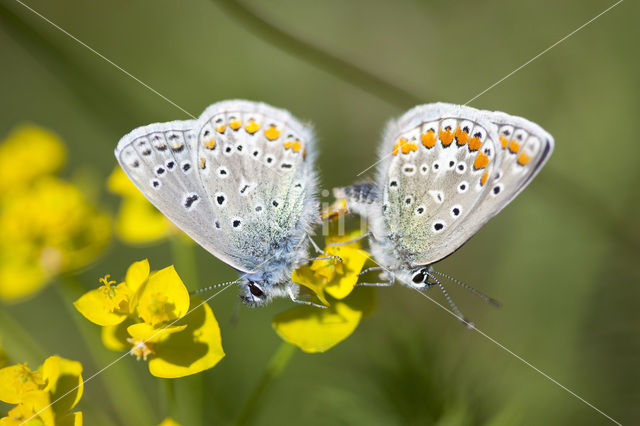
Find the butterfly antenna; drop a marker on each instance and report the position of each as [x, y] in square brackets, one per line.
[481, 295]
[211, 287]
[453, 306]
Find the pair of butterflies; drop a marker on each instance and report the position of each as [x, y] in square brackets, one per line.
[240, 181]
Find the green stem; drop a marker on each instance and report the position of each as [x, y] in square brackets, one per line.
[189, 402]
[275, 367]
[344, 70]
[18, 344]
[125, 392]
[183, 253]
[170, 398]
[393, 94]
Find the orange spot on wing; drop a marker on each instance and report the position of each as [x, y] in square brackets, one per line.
[504, 141]
[406, 146]
[429, 139]
[514, 147]
[272, 133]
[474, 143]
[523, 159]
[203, 162]
[446, 136]
[296, 146]
[221, 128]
[235, 124]
[481, 161]
[461, 136]
[395, 149]
[484, 177]
[252, 127]
[210, 144]
[288, 144]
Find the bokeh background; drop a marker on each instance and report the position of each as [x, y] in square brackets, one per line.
[562, 258]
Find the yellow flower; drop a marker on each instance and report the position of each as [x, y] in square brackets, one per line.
[27, 153]
[317, 330]
[334, 211]
[152, 315]
[46, 395]
[47, 228]
[47, 225]
[137, 221]
[336, 277]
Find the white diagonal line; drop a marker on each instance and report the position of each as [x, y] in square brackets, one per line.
[517, 69]
[543, 52]
[124, 355]
[503, 347]
[108, 60]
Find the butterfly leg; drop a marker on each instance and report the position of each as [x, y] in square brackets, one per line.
[338, 258]
[315, 246]
[389, 283]
[355, 240]
[373, 268]
[303, 302]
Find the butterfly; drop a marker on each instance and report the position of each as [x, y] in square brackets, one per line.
[444, 171]
[240, 181]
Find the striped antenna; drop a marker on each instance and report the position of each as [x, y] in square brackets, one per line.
[481, 295]
[211, 287]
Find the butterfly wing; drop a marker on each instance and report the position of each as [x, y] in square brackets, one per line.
[159, 160]
[256, 164]
[450, 172]
[438, 163]
[524, 147]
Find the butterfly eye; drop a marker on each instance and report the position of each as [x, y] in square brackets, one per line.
[419, 277]
[255, 290]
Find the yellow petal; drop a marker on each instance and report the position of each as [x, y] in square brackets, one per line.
[114, 337]
[64, 382]
[92, 306]
[118, 183]
[334, 211]
[306, 277]
[352, 261]
[20, 273]
[137, 274]
[195, 349]
[28, 152]
[71, 419]
[15, 381]
[317, 330]
[169, 422]
[139, 222]
[32, 403]
[147, 333]
[336, 237]
[164, 297]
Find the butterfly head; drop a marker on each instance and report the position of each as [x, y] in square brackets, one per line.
[253, 293]
[418, 277]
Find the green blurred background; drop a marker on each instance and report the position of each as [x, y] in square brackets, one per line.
[562, 258]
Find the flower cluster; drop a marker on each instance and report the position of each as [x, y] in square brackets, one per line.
[44, 396]
[47, 225]
[332, 281]
[152, 315]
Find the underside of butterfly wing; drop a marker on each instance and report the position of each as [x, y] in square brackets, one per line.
[158, 159]
[255, 162]
[439, 160]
